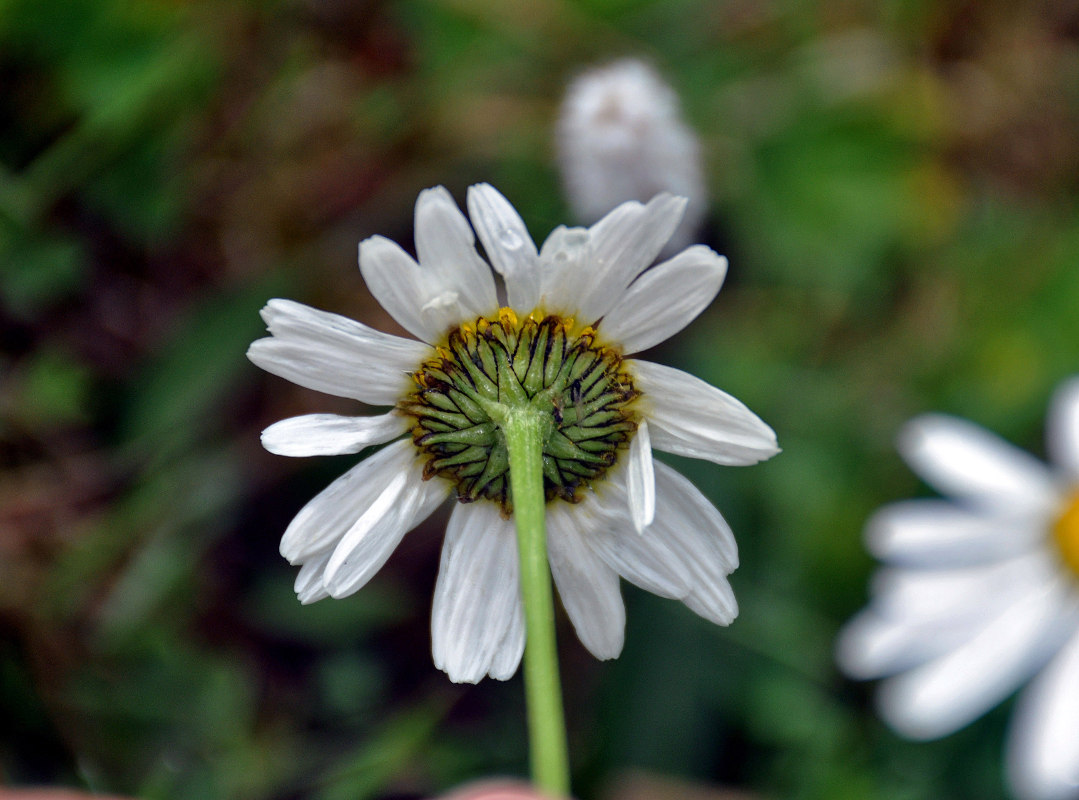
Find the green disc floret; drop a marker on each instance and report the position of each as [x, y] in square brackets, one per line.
[540, 366]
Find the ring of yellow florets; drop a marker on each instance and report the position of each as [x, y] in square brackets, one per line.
[538, 361]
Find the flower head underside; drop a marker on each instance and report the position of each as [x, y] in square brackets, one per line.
[558, 342]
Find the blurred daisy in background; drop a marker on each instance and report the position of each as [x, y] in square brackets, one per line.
[620, 137]
[980, 593]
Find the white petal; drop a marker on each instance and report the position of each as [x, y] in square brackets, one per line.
[919, 614]
[963, 460]
[624, 243]
[446, 249]
[872, 645]
[689, 417]
[641, 480]
[366, 546]
[589, 588]
[324, 520]
[477, 600]
[947, 693]
[510, 649]
[1063, 428]
[665, 299]
[508, 244]
[333, 354]
[422, 303]
[330, 434]
[969, 593]
[309, 585]
[700, 539]
[937, 533]
[564, 261]
[1043, 746]
[685, 554]
[643, 560]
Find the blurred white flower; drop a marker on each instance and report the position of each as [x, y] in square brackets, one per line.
[577, 306]
[620, 137]
[981, 593]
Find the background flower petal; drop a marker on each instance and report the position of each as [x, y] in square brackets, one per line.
[945, 694]
[963, 460]
[1062, 430]
[938, 533]
[1043, 743]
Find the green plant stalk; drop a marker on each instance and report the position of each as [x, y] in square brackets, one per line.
[525, 429]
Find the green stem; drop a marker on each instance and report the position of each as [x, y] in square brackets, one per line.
[525, 430]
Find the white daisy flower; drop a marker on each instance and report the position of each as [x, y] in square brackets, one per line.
[981, 592]
[574, 310]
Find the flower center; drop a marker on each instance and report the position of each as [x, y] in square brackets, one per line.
[1066, 533]
[540, 363]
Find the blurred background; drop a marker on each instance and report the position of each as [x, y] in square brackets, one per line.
[895, 184]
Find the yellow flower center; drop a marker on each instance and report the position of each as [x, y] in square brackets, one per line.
[1066, 533]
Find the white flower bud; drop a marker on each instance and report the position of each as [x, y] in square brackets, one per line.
[620, 137]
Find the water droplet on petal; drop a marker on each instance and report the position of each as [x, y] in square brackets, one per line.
[510, 239]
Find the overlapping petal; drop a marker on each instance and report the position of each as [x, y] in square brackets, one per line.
[623, 244]
[507, 243]
[564, 261]
[699, 538]
[446, 248]
[665, 299]
[588, 586]
[333, 354]
[451, 283]
[685, 554]
[641, 480]
[325, 519]
[406, 500]
[476, 626]
[689, 417]
[950, 691]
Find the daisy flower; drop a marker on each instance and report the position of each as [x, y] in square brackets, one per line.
[558, 341]
[620, 136]
[981, 593]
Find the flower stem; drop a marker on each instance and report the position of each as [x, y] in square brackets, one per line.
[525, 430]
